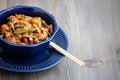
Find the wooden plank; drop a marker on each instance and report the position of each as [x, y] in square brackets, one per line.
[92, 27]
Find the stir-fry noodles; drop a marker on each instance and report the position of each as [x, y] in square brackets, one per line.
[22, 29]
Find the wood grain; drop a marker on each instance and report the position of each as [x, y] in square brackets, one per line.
[93, 30]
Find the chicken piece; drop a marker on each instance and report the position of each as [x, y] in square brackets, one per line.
[43, 36]
[35, 20]
[35, 41]
[4, 28]
[19, 16]
[10, 37]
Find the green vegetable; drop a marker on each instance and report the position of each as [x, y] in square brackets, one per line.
[19, 26]
[25, 31]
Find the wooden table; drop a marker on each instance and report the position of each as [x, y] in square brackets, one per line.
[92, 27]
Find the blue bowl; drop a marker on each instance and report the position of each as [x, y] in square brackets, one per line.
[26, 51]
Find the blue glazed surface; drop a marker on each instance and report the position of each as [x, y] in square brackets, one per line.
[41, 62]
[26, 51]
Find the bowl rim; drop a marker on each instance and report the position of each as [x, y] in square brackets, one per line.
[31, 7]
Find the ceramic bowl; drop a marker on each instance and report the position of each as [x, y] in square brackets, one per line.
[26, 51]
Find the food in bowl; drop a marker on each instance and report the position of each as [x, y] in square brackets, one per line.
[23, 29]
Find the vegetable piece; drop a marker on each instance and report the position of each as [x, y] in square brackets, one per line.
[25, 31]
[30, 37]
[19, 26]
